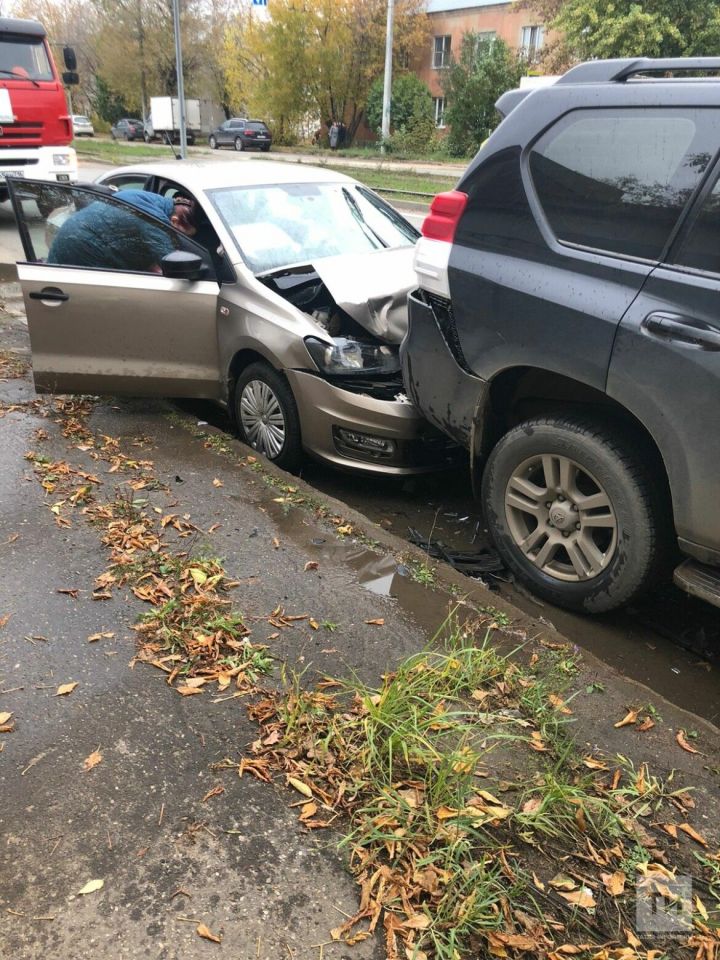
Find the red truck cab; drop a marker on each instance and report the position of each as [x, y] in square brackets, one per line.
[35, 124]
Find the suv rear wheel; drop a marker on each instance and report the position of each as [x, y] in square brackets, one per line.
[239, 145]
[574, 511]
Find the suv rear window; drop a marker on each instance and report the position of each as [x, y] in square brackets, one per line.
[618, 180]
[257, 125]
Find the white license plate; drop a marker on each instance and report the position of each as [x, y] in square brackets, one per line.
[11, 173]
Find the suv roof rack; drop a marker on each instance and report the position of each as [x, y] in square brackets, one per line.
[609, 71]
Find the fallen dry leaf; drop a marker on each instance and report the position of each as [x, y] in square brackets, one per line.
[92, 886]
[186, 691]
[686, 828]
[66, 688]
[93, 760]
[378, 622]
[562, 882]
[103, 635]
[301, 787]
[537, 742]
[276, 543]
[647, 724]
[218, 483]
[580, 898]
[4, 717]
[202, 931]
[629, 719]
[614, 882]
[682, 742]
[213, 792]
[559, 703]
[311, 565]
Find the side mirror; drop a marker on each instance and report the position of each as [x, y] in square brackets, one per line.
[182, 265]
[70, 78]
[70, 59]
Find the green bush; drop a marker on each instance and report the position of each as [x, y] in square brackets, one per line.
[410, 103]
[484, 70]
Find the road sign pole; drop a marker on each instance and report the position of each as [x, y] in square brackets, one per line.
[387, 88]
[180, 79]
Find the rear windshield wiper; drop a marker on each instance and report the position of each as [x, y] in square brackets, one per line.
[357, 213]
[19, 76]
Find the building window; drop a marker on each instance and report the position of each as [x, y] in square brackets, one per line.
[403, 59]
[441, 52]
[531, 42]
[439, 108]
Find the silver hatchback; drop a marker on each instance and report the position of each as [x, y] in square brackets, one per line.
[288, 305]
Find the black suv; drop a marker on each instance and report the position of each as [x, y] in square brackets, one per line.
[241, 134]
[567, 329]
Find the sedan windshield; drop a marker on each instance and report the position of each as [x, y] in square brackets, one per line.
[282, 224]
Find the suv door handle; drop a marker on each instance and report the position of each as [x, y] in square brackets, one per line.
[687, 330]
[49, 294]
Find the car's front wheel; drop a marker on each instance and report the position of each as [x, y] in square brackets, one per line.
[266, 415]
[239, 145]
[574, 511]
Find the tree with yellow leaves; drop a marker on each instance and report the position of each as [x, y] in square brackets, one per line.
[315, 59]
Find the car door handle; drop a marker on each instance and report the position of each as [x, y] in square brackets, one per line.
[687, 330]
[53, 294]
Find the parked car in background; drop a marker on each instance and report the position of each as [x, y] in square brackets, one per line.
[288, 305]
[566, 329]
[127, 129]
[241, 134]
[82, 127]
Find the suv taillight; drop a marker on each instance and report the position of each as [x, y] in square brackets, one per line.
[445, 212]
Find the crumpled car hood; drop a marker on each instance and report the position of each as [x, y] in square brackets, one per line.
[372, 288]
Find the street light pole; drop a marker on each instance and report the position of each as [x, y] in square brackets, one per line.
[180, 80]
[387, 88]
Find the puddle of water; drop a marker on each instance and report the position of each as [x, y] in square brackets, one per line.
[378, 574]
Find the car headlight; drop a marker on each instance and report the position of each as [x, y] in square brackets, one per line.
[346, 357]
[61, 160]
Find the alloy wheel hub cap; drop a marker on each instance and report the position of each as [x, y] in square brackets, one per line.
[561, 518]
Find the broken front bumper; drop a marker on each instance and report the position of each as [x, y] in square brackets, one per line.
[358, 432]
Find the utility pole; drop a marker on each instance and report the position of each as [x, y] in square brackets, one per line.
[387, 88]
[180, 80]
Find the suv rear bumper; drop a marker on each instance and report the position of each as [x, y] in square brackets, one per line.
[440, 388]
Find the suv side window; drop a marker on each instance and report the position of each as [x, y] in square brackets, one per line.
[701, 250]
[618, 180]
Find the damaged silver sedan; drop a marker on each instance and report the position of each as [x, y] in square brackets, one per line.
[288, 305]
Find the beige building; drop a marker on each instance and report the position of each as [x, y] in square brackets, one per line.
[450, 19]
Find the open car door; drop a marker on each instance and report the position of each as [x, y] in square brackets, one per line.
[111, 323]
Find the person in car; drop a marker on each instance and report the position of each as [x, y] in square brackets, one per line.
[107, 236]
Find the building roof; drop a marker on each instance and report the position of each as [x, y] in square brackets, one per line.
[443, 6]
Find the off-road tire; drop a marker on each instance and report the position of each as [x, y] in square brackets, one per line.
[291, 454]
[622, 466]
